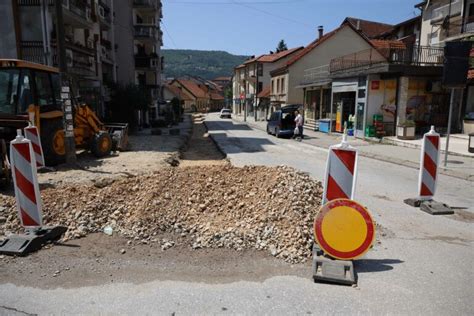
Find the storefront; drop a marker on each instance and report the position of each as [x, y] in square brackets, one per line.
[345, 97]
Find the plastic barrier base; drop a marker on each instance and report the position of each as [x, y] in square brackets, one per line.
[436, 208]
[413, 202]
[23, 244]
[332, 271]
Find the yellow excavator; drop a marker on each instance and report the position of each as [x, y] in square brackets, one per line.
[31, 92]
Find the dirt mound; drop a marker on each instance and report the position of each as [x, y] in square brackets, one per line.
[216, 206]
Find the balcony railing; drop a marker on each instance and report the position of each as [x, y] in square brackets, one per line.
[145, 31]
[149, 62]
[77, 7]
[411, 55]
[79, 61]
[315, 74]
[468, 25]
[149, 4]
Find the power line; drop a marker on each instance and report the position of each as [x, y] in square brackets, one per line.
[233, 2]
[271, 14]
[169, 35]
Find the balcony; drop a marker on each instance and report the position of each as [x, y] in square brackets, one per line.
[390, 59]
[78, 13]
[80, 60]
[316, 75]
[103, 11]
[468, 25]
[148, 62]
[146, 32]
[146, 4]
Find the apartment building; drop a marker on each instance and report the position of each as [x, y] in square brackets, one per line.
[445, 21]
[99, 49]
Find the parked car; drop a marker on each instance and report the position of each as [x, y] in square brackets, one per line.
[282, 122]
[225, 113]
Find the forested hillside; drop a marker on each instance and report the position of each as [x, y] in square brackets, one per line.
[206, 64]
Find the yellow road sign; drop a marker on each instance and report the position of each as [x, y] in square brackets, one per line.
[344, 229]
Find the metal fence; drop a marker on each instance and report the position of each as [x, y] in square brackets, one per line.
[410, 55]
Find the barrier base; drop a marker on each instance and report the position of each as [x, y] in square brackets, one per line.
[413, 202]
[23, 244]
[331, 270]
[436, 208]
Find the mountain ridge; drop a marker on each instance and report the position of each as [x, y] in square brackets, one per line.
[208, 64]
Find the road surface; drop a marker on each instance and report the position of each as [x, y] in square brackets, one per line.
[422, 265]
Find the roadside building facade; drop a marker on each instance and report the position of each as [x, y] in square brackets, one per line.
[305, 79]
[251, 78]
[100, 43]
[446, 21]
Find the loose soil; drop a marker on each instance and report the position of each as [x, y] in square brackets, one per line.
[172, 252]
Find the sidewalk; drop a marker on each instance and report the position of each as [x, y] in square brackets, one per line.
[458, 166]
[457, 144]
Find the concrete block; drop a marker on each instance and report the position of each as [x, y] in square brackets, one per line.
[436, 208]
[333, 271]
[413, 202]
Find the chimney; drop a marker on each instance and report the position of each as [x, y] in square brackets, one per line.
[358, 25]
[320, 31]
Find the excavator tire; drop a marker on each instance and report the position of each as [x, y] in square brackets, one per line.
[101, 144]
[52, 141]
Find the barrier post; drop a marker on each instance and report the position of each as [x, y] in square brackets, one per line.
[341, 171]
[32, 134]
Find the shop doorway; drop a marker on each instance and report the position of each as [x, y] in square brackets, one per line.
[344, 105]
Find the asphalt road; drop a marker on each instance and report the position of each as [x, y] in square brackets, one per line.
[423, 264]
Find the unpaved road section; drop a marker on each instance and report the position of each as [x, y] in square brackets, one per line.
[147, 153]
[98, 259]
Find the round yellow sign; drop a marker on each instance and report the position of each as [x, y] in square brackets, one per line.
[344, 229]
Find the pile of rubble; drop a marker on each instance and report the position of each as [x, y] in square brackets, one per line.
[210, 206]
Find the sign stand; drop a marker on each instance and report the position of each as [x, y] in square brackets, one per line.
[326, 269]
[28, 202]
[428, 177]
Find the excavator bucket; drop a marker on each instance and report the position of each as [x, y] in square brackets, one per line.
[119, 134]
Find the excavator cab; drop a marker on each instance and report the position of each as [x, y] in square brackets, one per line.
[31, 92]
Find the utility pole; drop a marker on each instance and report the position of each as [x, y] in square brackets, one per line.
[69, 142]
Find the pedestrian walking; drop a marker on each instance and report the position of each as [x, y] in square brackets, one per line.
[298, 134]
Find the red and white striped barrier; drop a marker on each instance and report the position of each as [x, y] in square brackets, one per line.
[341, 172]
[31, 133]
[24, 173]
[429, 165]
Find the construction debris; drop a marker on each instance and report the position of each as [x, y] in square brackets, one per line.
[269, 209]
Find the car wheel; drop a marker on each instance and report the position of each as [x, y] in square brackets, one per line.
[277, 132]
[268, 131]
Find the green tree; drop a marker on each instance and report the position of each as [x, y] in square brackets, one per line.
[281, 46]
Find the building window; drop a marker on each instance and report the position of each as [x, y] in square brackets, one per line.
[273, 87]
[259, 87]
[278, 85]
[259, 69]
[282, 85]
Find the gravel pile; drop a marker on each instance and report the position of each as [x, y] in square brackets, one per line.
[265, 208]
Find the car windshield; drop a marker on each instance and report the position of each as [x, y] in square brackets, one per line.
[225, 111]
[9, 79]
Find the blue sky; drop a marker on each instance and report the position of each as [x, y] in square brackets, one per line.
[254, 27]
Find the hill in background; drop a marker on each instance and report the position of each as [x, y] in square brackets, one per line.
[205, 64]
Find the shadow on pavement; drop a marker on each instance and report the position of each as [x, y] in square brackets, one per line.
[226, 125]
[375, 265]
[235, 145]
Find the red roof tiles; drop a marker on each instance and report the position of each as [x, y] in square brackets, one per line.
[370, 29]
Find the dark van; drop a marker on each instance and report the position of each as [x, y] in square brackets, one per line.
[282, 122]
